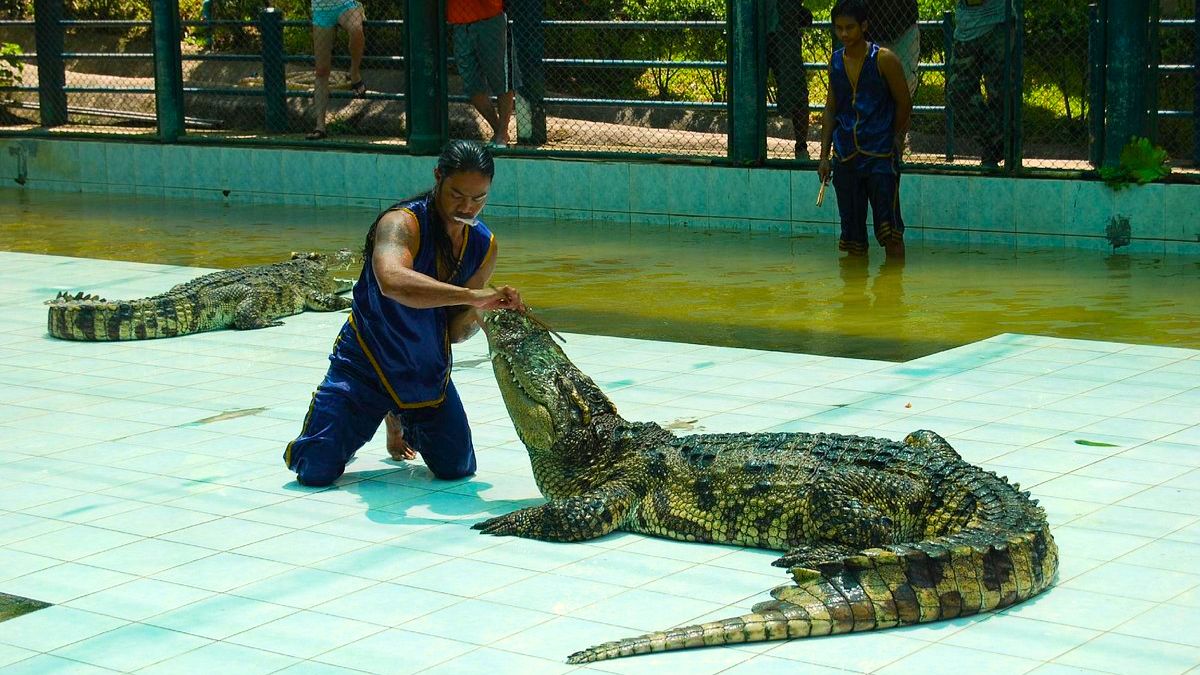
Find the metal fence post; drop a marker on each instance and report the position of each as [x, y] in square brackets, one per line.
[52, 74]
[1096, 83]
[1015, 89]
[1125, 86]
[426, 80]
[270, 21]
[529, 47]
[948, 51]
[168, 70]
[747, 82]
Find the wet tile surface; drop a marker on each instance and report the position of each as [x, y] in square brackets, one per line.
[145, 491]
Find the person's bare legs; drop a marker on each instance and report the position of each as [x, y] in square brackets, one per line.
[352, 21]
[504, 105]
[483, 103]
[397, 447]
[323, 53]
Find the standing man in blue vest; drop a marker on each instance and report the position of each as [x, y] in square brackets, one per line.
[866, 116]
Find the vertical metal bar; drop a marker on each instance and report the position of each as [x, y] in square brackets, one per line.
[270, 21]
[527, 49]
[1153, 78]
[1015, 91]
[1196, 90]
[52, 74]
[1125, 98]
[747, 82]
[948, 51]
[426, 86]
[1096, 83]
[168, 70]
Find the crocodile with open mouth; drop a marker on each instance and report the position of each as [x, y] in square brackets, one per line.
[875, 533]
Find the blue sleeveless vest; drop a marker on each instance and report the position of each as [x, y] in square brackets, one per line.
[409, 348]
[865, 115]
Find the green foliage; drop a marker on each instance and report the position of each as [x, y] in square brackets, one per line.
[1118, 233]
[11, 67]
[1141, 162]
[678, 45]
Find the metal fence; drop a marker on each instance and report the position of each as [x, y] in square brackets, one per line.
[742, 81]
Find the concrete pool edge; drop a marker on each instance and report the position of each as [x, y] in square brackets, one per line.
[1048, 213]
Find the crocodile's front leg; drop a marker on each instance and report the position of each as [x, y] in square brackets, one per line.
[325, 302]
[576, 518]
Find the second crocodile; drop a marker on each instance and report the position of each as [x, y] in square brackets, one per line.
[241, 298]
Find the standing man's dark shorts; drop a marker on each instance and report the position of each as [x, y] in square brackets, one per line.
[481, 52]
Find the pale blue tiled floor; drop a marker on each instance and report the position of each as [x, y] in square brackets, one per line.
[172, 540]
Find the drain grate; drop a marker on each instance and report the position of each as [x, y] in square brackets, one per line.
[14, 605]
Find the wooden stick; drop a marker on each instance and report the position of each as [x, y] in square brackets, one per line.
[821, 193]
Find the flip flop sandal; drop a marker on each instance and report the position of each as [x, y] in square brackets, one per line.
[359, 88]
[316, 135]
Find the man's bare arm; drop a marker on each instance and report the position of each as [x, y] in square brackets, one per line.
[464, 321]
[893, 73]
[396, 239]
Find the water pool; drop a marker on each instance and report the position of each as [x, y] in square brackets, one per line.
[758, 290]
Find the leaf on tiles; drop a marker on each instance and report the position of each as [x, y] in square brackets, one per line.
[229, 415]
[1095, 444]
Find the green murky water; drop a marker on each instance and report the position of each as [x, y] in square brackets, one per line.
[766, 291]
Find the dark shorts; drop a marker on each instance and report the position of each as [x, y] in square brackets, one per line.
[481, 55]
[875, 184]
[345, 413]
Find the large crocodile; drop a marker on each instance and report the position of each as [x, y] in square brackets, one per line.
[876, 533]
[242, 298]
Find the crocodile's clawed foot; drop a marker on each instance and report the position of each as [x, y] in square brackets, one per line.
[500, 525]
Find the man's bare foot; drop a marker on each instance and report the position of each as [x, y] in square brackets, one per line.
[397, 447]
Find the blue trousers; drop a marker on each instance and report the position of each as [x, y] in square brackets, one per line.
[861, 184]
[345, 413]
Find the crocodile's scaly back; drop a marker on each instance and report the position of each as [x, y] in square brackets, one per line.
[243, 298]
[876, 533]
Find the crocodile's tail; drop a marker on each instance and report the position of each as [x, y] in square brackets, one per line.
[879, 588]
[92, 318]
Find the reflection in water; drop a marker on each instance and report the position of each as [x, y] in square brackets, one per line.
[759, 290]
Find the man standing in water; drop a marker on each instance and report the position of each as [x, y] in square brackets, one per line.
[426, 267]
[866, 116]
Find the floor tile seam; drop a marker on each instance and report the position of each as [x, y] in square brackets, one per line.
[473, 648]
[413, 625]
[1116, 631]
[1194, 520]
[310, 564]
[381, 628]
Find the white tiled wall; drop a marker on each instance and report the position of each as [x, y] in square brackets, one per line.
[1165, 218]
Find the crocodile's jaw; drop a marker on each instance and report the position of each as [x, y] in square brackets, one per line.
[531, 419]
[547, 397]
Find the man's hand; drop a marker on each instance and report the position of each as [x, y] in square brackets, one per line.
[824, 170]
[397, 447]
[504, 297]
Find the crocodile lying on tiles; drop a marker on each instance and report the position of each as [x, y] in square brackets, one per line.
[242, 298]
[876, 533]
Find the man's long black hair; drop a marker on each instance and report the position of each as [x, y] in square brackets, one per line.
[459, 155]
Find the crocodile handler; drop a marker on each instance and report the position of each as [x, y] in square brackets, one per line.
[426, 267]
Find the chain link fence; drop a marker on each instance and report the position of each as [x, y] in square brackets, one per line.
[1014, 88]
[250, 70]
[1176, 48]
[651, 79]
[93, 66]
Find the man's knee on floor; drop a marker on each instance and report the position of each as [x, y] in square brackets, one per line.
[313, 474]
